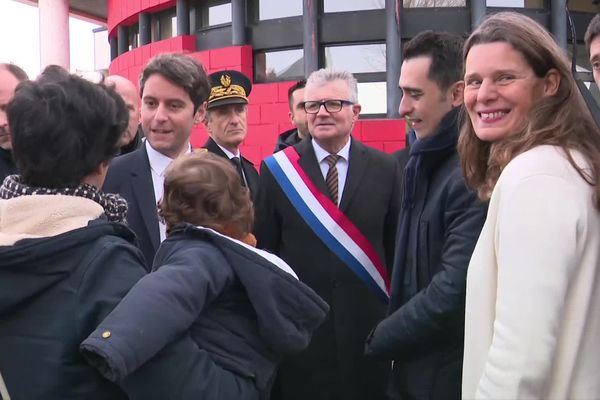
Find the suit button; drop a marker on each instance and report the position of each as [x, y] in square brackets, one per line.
[106, 334]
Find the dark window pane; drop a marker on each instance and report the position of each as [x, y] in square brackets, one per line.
[270, 9]
[134, 36]
[356, 58]
[219, 14]
[372, 96]
[352, 5]
[279, 65]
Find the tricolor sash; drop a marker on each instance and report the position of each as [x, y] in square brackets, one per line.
[332, 226]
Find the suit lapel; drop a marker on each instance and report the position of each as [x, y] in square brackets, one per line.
[213, 147]
[143, 189]
[308, 162]
[357, 166]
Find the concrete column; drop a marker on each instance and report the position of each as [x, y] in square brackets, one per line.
[54, 33]
[393, 56]
[558, 22]
[145, 30]
[478, 9]
[183, 17]
[114, 48]
[122, 39]
[311, 36]
[238, 22]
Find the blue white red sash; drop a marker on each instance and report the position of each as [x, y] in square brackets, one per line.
[338, 233]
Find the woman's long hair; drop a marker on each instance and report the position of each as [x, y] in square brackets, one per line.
[561, 120]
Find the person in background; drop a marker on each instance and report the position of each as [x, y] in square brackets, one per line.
[66, 259]
[132, 137]
[227, 123]
[244, 306]
[297, 117]
[592, 42]
[10, 76]
[174, 89]
[530, 146]
[311, 195]
[440, 222]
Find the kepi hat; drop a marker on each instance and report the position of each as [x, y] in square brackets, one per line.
[228, 87]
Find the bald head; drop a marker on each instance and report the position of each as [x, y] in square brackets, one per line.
[128, 92]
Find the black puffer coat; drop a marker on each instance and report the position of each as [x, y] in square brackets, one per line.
[246, 312]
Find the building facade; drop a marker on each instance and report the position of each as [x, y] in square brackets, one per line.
[276, 42]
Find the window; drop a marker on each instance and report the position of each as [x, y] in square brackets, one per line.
[134, 36]
[357, 59]
[219, 14]
[515, 3]
[283, 65]
[372, 96]
[271, 9]
[330, 6]
[164, 25]
[367, 62]
[434, 3]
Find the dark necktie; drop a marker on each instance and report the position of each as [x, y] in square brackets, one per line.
[331, 180]
[238, 165]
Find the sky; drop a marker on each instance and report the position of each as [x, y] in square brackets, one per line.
[19, 38]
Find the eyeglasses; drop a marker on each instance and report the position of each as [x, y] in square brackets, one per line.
[332, 106]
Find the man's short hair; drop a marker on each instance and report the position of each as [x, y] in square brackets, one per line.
[301, 84]
[592, 31]
[15, 70]
[445, 50]
[326, 75]
[63, 127]
[181, 70]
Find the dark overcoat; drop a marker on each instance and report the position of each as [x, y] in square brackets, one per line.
[424, 332]
[334, 366]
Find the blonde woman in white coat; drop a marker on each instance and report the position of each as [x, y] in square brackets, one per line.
[530, 146]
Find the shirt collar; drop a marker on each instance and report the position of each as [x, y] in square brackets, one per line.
[321, 153]
[158, 161]
[229, 154]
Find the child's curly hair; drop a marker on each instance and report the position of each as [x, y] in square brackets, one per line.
[204, 189]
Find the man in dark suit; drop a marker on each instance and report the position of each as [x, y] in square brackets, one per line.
[361, 184]
[10, 76]
[174, 90]
[440, 221]
[227, 122]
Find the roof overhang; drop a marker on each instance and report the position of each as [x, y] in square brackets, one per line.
[95, 11]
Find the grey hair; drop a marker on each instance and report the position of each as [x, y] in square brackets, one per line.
[326, 75]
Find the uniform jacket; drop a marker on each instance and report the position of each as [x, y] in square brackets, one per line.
[334, 365]
[129, 175]
[238, 305]
[287, 139]
[423, 333]
[61, 272]
[247, 166]
[533, 288]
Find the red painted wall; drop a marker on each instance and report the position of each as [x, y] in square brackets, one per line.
[268, 109]
[125, 12]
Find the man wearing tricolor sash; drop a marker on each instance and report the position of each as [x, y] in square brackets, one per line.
[328, 206]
